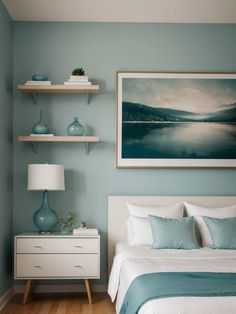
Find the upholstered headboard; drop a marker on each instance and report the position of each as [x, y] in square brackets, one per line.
[118, 213]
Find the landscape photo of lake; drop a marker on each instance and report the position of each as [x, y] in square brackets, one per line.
[178, 118]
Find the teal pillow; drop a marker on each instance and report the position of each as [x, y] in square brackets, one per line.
[223, 232]
[173, 233]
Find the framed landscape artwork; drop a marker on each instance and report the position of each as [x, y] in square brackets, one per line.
[176, 119]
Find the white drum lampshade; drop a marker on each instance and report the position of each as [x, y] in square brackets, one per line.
[46, 177]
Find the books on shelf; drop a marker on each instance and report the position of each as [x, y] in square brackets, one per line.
[85, 231]
[41, 134]
[33, 83]
[81, 78]
[78, 80]
[77, 83]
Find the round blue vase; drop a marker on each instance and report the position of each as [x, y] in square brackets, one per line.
[45, 219]
[75, 128]
[39, 77]
[40, 127]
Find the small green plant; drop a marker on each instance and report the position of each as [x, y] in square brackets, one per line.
[69, 221]
[78, 71]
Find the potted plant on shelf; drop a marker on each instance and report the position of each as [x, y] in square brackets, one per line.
[78, 77]
[78, 72]
[68, 223]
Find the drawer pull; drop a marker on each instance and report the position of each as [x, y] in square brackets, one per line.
[78, 246]
[37, 266]
[38, 247]
[78, 266]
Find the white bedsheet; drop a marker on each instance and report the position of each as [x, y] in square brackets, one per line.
[132, 261]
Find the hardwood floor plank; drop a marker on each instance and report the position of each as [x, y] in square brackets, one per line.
[60, 304]
[74, 306]
[45, 307]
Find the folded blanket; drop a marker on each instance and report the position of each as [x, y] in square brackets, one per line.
[151, 286]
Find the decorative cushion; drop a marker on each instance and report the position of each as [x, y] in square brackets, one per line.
[139, 230]
[173, 233]
[223, 232]
[199, 211]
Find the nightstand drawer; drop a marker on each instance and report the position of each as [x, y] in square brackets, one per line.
[57, 245]
[57, 265]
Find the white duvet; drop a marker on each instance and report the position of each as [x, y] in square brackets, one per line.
[132, 261]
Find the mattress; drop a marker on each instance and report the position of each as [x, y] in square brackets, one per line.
[132, 261]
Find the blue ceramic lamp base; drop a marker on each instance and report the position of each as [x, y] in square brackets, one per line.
[45, 219]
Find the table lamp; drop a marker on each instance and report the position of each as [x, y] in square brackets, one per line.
[45, 177]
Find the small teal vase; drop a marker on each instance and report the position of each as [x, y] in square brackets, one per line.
[45, 219]
[75, 128]
[39, 77]
[40, 127]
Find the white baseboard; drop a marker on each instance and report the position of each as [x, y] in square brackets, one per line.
[5, 297]
[66, 288]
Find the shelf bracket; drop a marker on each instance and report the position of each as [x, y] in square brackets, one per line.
[34, 97]
[34, 147]
[88, 99]
[87, 147]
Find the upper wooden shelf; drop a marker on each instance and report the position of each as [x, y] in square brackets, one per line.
[58, 89]
[69, 139]
[56, 138]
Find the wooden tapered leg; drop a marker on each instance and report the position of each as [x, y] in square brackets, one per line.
[89, 290]
[28, 291]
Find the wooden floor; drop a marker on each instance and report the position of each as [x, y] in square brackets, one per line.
[60, 304]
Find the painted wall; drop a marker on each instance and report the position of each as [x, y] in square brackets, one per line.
[5, 150]
[102, 49]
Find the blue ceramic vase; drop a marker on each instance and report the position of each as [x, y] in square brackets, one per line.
[40, 127]
[39, 77]
[75, 128]
[45, 219]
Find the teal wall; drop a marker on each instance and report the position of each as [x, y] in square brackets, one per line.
[5, 150]
[102, 49]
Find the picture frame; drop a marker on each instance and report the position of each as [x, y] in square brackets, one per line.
[176, 120]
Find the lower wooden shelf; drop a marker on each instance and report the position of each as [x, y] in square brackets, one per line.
[34, 90]
[69, 139]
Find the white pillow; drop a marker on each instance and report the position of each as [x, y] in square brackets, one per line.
[198, 211]
[172, 211]
[141, 232]
[129, 231]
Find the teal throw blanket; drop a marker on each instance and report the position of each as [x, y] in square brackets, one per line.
[175, 284]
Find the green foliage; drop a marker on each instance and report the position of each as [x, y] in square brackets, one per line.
[69, 221]
[78, 71]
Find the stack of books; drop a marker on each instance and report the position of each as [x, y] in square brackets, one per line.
[78, 80]
[49, 134]
[33, 83]
[85, 231]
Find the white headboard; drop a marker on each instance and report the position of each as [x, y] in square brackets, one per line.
[118, 213]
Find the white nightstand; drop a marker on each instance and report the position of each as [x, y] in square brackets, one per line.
[56, 256]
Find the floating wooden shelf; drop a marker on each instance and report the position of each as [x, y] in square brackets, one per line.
[41, 138]
[69, 139]
[58, 89]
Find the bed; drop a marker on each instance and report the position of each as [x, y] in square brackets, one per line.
[128, 263]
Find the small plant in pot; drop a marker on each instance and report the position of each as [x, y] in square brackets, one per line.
[78, 71]
[68, 223]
